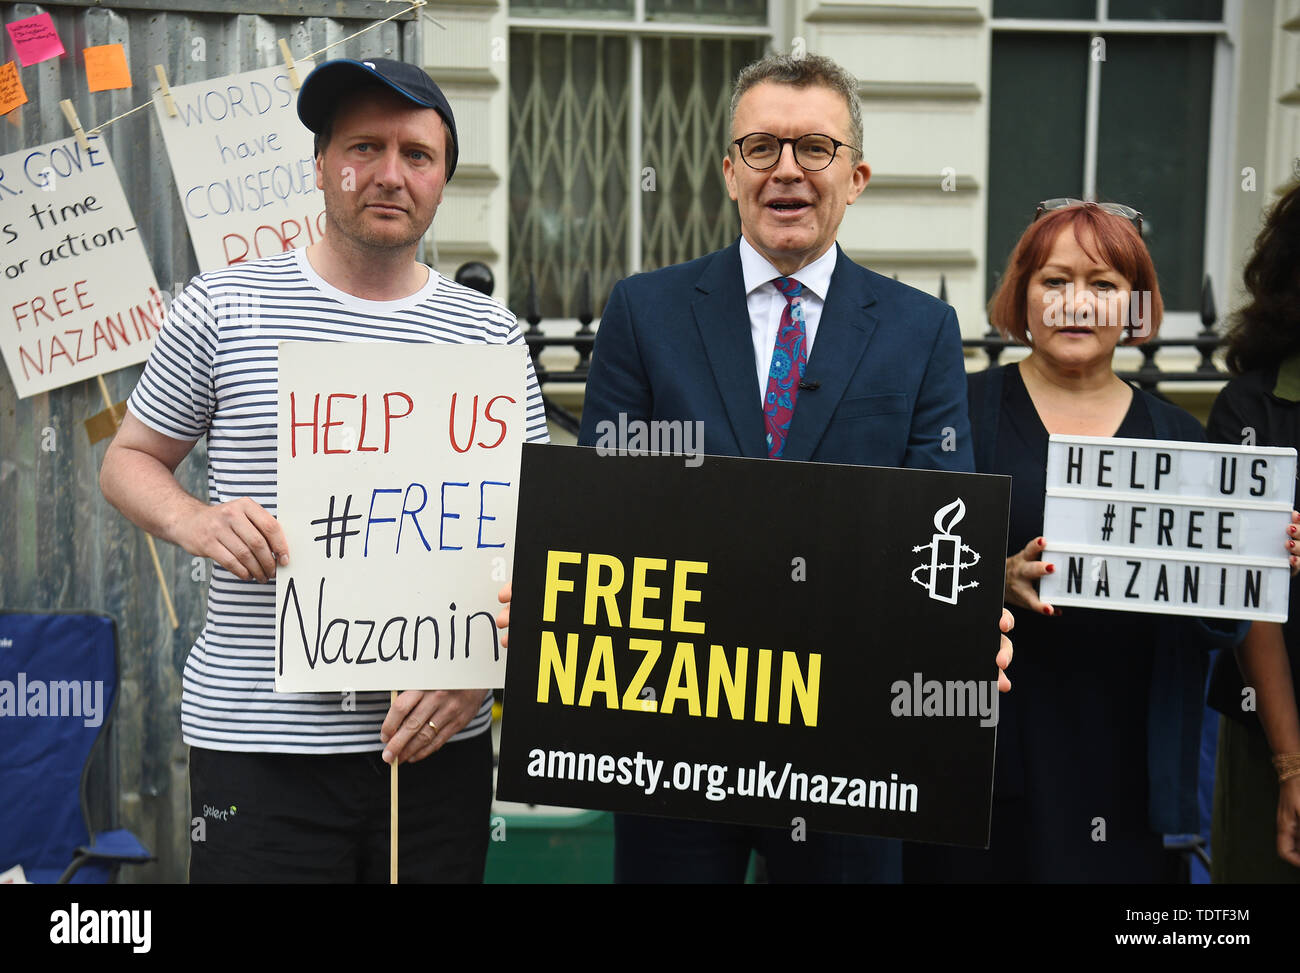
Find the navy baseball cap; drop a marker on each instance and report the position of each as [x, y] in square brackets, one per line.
[332, 80]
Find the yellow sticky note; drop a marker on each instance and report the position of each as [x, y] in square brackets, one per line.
[12, 93]
[106, 68]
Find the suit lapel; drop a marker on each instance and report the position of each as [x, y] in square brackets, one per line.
[723, 319]
[843, 333]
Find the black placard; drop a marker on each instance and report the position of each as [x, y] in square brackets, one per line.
[822, 573]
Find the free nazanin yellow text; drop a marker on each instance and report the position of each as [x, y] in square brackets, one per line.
[741, 688]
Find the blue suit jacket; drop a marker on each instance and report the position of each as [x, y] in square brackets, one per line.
[675, 344]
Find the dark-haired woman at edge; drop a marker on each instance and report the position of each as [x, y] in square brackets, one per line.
[1256, 832]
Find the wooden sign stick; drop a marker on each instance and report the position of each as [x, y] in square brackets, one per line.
[153, 550]
[392, 811]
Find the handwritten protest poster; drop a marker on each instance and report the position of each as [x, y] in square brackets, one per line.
[80, 296]
[398, 483]
[1169, 527]
[35, 39]
[244, 166]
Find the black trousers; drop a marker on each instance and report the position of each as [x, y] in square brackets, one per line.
[666, 850]
[273, 817]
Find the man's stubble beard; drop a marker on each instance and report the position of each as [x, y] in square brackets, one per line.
[355, 230]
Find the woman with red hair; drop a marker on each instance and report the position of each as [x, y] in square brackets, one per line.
[1098, 744]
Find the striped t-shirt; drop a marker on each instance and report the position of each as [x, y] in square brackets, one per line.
[213, 371]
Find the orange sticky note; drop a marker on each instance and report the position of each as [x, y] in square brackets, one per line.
[12, 93]
[106, 68]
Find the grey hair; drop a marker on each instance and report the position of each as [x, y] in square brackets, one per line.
[803, 72]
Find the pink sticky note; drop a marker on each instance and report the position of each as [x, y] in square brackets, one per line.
[35, 39]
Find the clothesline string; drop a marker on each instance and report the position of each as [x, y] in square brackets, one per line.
[103, 125]
[415, 4]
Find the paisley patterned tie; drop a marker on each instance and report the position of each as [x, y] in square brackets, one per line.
[789, 360]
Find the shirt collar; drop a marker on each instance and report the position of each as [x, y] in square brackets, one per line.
[815, 277]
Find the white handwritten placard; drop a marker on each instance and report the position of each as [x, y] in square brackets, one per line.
[398, 484]
[80, 295]
[244, 166]
[1169, 527]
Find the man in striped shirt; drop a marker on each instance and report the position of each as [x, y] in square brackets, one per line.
[292, 787]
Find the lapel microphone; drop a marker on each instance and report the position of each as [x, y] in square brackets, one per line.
[809, 386]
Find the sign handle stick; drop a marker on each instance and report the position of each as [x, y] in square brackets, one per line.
[153, 550]
[392, 811]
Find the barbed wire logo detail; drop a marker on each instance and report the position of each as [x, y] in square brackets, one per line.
[943, 581]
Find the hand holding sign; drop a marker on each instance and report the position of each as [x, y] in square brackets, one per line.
[239, 535]
[1023, 573]
[1293, 545]
[1005, 651]
[419, 722]
[503, 617]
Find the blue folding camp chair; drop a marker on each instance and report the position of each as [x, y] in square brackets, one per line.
[58, 693]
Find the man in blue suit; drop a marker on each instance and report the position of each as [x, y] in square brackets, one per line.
[783, 348]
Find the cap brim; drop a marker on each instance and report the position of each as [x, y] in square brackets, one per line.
[328, 84]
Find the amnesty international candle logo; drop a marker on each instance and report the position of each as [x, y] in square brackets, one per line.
[943, 577]
[676, 650]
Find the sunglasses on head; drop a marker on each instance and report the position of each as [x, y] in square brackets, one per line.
[1115, 209]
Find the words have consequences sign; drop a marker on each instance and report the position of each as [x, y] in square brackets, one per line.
[754, 642]
[244, 165]
[1169, 527]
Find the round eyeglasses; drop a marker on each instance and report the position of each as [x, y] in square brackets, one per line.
[813, 152]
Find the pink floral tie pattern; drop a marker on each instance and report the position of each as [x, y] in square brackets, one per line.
[789, 360]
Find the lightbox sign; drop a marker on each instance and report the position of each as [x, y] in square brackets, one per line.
[1168, 527]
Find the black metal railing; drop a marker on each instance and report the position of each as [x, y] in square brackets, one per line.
[1147, 376]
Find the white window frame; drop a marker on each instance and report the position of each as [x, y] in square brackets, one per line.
[1222, 135]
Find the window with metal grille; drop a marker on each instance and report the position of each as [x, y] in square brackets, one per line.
[618, 125]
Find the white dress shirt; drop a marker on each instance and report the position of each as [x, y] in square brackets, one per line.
[765, 303]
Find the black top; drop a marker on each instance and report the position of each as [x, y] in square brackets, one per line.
[1250, 405]
[1071, 740]
[1070, 779]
